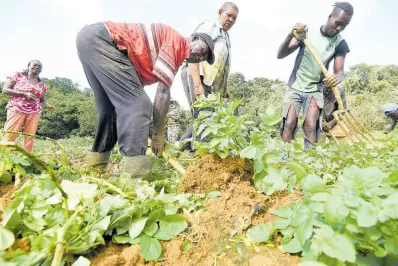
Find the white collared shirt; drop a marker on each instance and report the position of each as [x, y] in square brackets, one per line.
[216, 75]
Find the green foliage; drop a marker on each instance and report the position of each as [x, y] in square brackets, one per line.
[75, 112]
[126, 211]
[37, 212]
[347, 214]
[13, 164]
[258, 94]
[342, 221]
[227, 131]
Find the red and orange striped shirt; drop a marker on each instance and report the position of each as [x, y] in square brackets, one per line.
[156, 50]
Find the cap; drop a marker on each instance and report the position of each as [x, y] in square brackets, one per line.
[209, 41]
[389, 109]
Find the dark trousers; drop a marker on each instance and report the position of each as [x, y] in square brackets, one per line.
[189, 90]
[123, 107]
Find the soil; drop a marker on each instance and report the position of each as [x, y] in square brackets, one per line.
[218, 232]
[7, 194]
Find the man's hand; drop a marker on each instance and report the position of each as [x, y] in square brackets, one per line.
[387, 129]
[299, 28]
[30, 96]
[331, 81]
[157, 145]
[329, 125]
[199, 90]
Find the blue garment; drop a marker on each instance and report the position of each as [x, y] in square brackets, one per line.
[389, 109]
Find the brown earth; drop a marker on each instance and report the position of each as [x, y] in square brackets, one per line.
[216, 233]
[7, 192]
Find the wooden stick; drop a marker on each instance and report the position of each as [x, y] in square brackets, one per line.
[323, 68]
[171, 161]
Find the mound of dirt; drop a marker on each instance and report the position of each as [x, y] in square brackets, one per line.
[213, 173]
[238, 207]
[113, 255]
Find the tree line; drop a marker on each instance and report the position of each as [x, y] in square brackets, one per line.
[367, 87]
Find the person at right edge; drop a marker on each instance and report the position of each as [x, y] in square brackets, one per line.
[307, 82]
[203, 78]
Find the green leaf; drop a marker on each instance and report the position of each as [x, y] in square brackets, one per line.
[248, 152]
[12, 218]
[186, 245]
[123, 226]
[275, 180]
[77, 192]
[7, 238]
[304, 230]
[36, 225]
[19, 160]
[333, 244]
[56, 216]
[314, 184]
[136, 228]
[151, 229]
[299, 170]
[103, 224]
[367, 215]
[156, 215]
[272, 116]
[29, 259]
[171, 226]
[258, 166]
[150, 248]
[123, 239]
[352, 201]
[120, 216]
[335, 210]
[20, 170]
[391, 245]
[284, 212]
[271, 157]
[320, 197]
[293, 246]
[38, 209]
[81, 261]
[213, 194]
[312, 263]
[281, 223]
[261, 232]
[5, 263]
[5, 177]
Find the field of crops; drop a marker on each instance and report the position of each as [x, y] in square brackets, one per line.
[247, 199]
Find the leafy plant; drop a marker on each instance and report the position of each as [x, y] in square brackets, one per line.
[13, 164]
[126, 211]
[228, 132]
[37, 212]
[352, 219]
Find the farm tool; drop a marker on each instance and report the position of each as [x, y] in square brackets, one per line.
[346, 120]
[171, 161]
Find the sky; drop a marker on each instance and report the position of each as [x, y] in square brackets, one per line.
[47, 29]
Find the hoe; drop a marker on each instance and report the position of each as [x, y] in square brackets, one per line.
[346, 120]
